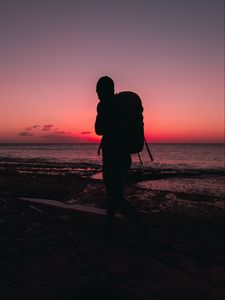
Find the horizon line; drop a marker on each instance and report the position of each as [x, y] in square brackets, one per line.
[96, 143]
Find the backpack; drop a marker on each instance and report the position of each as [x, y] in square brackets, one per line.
[129, 110]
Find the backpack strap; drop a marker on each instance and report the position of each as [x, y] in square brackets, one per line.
[99, 148]
[139, 156]
[148, 149]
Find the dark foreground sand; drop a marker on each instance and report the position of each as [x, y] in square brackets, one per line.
[54, 253]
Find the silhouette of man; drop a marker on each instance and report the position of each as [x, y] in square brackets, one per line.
[116, 159]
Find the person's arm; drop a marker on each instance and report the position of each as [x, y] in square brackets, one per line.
[100, 120]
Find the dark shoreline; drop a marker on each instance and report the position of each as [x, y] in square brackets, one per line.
[54, 253]
[97, 143]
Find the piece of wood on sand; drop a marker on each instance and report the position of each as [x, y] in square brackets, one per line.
[76, 207]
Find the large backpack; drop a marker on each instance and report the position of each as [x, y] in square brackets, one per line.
[129, 107]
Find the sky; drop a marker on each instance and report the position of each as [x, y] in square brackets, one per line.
[170, 52]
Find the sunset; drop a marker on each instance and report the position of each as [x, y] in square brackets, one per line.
[53, 52]
[112, 150]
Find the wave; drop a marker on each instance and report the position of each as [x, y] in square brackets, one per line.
[136, 173]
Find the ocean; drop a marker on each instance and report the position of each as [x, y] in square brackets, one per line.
[199, 167]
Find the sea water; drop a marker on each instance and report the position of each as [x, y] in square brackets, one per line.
[202, 165]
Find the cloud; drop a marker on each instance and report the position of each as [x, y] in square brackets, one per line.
[25, 133]
[28, 128]
[47, 127]
[85, 132]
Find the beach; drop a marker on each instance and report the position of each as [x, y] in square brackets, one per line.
[53, 252]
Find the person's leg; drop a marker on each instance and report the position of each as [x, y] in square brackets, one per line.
[124, 206]
[111, 196]
[132, 216]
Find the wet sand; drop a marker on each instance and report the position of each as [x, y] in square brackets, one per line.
[49, 252]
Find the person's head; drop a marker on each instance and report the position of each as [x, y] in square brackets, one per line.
[105, 88]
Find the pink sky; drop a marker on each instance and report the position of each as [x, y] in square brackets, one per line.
[173, 58]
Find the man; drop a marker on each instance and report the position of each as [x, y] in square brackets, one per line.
[116, 158]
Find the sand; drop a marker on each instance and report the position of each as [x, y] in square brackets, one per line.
[50, 252]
